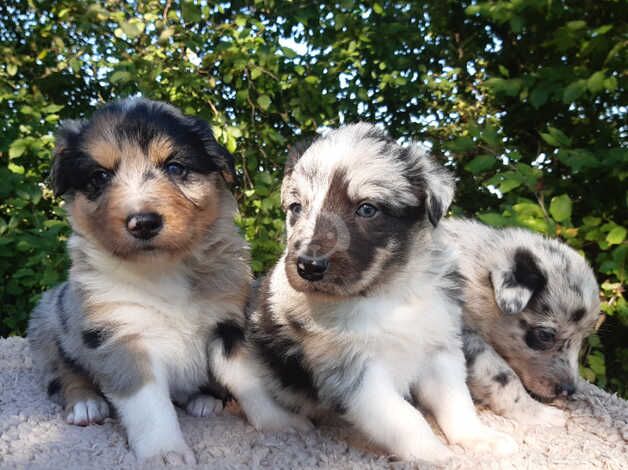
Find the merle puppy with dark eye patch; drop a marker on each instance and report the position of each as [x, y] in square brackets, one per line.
[529, 302]
[360, 315]
[154, 306]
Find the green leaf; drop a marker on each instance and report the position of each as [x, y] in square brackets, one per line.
[12, 70]
[560, 208]
[480, 164]
[17, 148]
[121, 76]
[574, 91]
[595, 83]
[132, 28]
[538, 96]
[264, 101]
[377, 8]
[550, 139]
[191, 12]
[616, 236]
[508, 185]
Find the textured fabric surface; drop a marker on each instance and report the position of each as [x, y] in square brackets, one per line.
[34, 435]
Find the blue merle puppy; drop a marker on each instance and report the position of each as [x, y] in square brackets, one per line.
[154, 306]
[529, 302]
[360, 315]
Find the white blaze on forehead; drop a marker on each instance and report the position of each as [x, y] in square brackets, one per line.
[371, 166]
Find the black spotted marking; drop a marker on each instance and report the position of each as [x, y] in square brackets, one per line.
[231, 334]
[527, 272]
[60, 307]
[54, 386]
[473, 345]
[94, 338]
[278, 350]
[454, 286]
[577, 315]
[502, 378]
[523, 324]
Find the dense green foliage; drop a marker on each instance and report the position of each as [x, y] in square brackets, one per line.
[522, 99]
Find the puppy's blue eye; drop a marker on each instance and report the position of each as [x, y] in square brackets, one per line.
[367, 211]
[100, 178]
[295, 208]
[176, 169]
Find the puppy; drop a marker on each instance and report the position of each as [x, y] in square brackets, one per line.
[529, 302]
[360, 314]
[154, 305]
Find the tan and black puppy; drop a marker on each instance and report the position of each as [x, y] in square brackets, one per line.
[361, 314]
[529, 302]
[153, 309]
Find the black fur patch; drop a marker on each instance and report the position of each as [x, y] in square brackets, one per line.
[94, 338]
[473, 345]
[54, 386]
[282, 354]
[526, 271]
[63, 316]
[231, 334]
[577, 315]
[455, 288]
[502, 378]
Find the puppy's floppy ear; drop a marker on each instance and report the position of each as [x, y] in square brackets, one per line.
[65, 154]
[518, 282]
[440, 189]
[295, 152]
[221, 157]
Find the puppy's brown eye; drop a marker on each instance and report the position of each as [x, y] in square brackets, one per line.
[100, 178]
[540, 338]
[367, 211]
[295, 208]
[175, 169]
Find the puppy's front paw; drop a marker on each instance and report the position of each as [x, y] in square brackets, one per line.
[203, 405]
[428, 450]
[486, 439]
[92, 410]
[153, 453]
[539, 414]
[277, 419]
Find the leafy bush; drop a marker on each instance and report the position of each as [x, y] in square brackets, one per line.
[524, 100]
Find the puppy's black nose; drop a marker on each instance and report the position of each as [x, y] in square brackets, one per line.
[144, 225]
[565, 389]
[312, 269]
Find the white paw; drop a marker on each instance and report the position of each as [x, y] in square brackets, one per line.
[182, 457]
[203, 405]
[172, 453]
[428, 450]
[542, 415]
[278, 419]
[90, 411]
[488, 440]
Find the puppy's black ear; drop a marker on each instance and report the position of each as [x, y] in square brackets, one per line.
[295, 152]
[516, 284]
[440, 188]
[65, 154]
[221, 157]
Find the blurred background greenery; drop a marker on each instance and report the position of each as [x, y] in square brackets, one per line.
[524, 100]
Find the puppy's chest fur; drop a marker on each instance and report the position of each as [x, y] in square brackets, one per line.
[170, 315]
[320, 350]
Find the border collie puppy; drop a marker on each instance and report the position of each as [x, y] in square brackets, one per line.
[154, 306]
[529, 302]
[361, 315]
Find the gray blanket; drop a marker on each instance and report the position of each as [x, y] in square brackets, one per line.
[33, 435]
